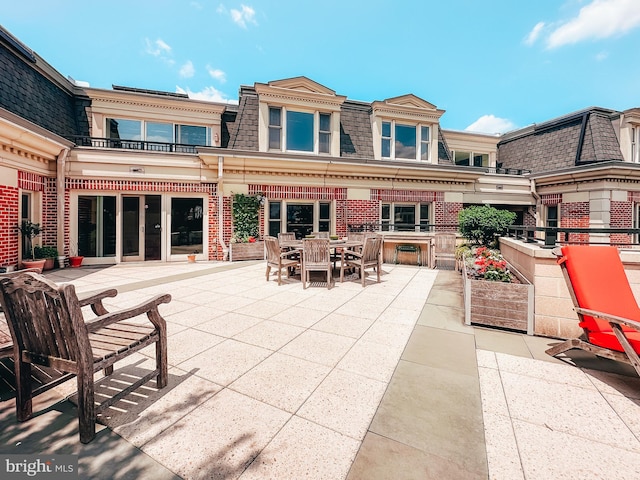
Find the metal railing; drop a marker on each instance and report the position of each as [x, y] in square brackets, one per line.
[549, 237]
[98, 142]
[401, 227]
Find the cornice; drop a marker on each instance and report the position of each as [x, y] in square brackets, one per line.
[111, 98]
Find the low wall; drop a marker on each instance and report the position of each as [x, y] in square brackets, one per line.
[553, 308]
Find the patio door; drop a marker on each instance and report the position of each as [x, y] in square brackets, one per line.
[141, 227]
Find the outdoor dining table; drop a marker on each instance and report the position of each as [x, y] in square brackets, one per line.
[286, 245]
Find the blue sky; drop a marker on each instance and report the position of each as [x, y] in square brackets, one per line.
[493, 65]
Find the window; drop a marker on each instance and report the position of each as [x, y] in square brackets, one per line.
[301, 218]
[471, 159]
[135, 131]
[301, 131]
[408, 142]
[96, 226]
[274, 218]
[324, 140]
[275, 128]
[192, 135]
[186, 225]
[386, 139]
[405, 217]
[122, 129]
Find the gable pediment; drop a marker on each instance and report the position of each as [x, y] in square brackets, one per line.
[410, 100]
[299, 91]
[301, 84]
[407, 107]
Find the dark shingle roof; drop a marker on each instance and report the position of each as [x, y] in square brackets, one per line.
[444, 154]
[356, 138]
[556, 144]
[243, 132]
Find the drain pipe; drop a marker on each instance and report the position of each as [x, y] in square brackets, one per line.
[225, 248]
[60, 181]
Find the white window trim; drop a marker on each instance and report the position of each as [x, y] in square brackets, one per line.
[419, 141]
[392, 208]
[316, 213]
[316, 130]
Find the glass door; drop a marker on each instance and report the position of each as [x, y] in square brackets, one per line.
[141, 228]
[131, 222]
[152, 227]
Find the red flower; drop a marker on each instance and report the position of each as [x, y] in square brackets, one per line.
[252, 240]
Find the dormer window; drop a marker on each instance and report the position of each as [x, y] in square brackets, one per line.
[302, 131]
[410, 142]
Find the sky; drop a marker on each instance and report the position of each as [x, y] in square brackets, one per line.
[492, 65]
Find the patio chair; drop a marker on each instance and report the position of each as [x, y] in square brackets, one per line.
[278, 259]
[316, 256]
[605, 304]
[48, 328]
[286, 236]
[444, 250]
[369, 257]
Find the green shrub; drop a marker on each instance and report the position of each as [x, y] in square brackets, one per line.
[45, 252]
[245, 210]
[482, 225]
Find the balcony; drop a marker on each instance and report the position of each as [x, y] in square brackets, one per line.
[97, 142]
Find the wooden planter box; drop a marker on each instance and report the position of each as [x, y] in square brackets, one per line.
[498, 304]
[246, 251]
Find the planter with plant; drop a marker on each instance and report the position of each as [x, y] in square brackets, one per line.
[30, 231]
[48, 253]
[244, 245]
[75, 259]
[495, 294]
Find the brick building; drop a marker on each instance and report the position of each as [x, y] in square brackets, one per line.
[129, 174]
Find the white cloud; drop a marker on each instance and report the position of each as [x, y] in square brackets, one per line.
[534, 34]
[244, 16]
[187, 70]
[196, 5]
[599, 19]
[209, 94]
[217, 74]
[491, 124]
[602, 56]
[158, 48]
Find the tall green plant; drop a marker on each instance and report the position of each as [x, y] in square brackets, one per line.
[482, 225]
[245, 210]
[30, 231]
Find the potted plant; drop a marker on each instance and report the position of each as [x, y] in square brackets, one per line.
[191, 257]
[75, 259]
[48, 253]
[30, 231]
[245, 210]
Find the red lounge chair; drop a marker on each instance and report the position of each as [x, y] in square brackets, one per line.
[607, 310]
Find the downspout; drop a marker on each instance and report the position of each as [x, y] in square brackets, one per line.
[225, 248]
[62, 214]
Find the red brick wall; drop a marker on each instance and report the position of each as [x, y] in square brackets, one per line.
[49, 213]
[575, 215]
[621, 217]
[9, 235]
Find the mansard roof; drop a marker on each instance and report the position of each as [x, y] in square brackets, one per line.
[582, 137]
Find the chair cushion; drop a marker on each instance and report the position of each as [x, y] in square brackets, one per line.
[600, 283]
[609, 340]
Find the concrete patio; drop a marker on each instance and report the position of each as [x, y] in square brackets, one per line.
[382, 382]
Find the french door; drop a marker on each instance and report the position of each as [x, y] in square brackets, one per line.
[141, 227]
